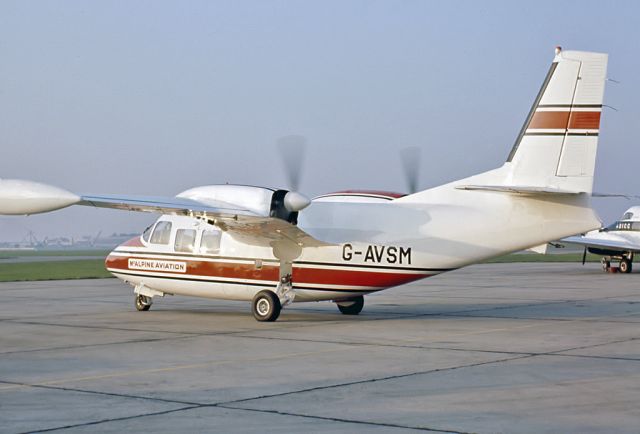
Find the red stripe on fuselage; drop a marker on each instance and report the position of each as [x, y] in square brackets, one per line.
[301, 275]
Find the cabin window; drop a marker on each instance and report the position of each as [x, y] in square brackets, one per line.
[210, 242]
[185, 240]
[627, 216]
[147, 233]
[161, 233]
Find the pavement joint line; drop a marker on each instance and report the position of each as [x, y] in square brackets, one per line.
[277, 412]
[104, 344]
[117, 419]
[374, 380]
[50, 383]
[472, 350]
[584, 347]
[533, 318]
[343, 420]
[50, 324]
[98, 392]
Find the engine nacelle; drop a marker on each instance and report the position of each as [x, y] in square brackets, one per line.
[263, 201]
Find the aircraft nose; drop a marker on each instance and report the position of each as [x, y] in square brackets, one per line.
[109, 261]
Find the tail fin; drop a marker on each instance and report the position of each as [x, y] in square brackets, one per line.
[556, 147]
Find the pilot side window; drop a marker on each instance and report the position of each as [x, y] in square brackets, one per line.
[185, 240]
[161, 233]
[210, 242]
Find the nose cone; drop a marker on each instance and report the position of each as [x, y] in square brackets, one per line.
[117, 259]
[295, 201]
[111, 260]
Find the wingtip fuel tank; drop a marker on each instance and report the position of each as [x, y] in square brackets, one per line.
[20, 197]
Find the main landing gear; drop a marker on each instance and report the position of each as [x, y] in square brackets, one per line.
[352, 306]
[624, 266]
[266, 306]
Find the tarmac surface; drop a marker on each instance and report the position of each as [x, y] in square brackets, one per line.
[490, 348]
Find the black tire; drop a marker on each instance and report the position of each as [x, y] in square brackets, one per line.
[266, 306]
[352, 306]
[143, 303]
[625, 265]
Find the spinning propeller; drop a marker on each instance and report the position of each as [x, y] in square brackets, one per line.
[292, 149]
[411, 165]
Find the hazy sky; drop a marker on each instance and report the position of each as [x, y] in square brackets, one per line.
[153, 97]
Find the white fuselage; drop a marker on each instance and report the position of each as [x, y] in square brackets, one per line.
[375, 243]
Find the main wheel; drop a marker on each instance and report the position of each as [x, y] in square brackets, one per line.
[605, 265]
[352, 306]
[625, 265]
[266, 306]
[143, 302]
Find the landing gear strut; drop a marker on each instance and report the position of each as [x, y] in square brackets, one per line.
[352, 306]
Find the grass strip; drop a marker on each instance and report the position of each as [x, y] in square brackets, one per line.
[54, 270]
[4, 254]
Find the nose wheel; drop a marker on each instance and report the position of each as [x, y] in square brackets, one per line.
[143, 303]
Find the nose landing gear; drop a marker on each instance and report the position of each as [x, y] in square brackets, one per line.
[143, 296]
[143, 303]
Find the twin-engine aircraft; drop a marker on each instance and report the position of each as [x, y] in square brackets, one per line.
[619, 241]
[274, 247]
